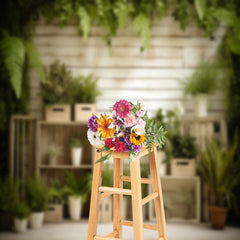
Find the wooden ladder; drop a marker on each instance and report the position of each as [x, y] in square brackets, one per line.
[99, 192]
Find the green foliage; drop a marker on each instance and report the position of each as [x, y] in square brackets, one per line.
[78, 187]
[107, 176]
[21, 210]
[200, 6]
[37, 194]
[220, 171]
[84, 89]
[54, 150]
[8, 194]
[85, 22]
[56, 192]
[182, 146]
[76, 142]
[204, 80]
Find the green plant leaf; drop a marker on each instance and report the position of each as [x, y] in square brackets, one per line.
[200, 6]
[85, 21]
[106, 157]
[234, 44]
[13, 51]
[227, 17]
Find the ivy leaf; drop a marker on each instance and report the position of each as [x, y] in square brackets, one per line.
[200, 6]
[85, 22]
[106, 157]
[226, 16]
[13, 51]
[234, 44]
[141, 26]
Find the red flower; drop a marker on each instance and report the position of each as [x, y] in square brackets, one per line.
[119, 146]
[109, 143]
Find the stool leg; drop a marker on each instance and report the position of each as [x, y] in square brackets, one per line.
[117, 198]
[136, 199]
[158, 202]
[95, 197]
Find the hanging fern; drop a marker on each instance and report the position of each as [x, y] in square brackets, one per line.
[85, 22]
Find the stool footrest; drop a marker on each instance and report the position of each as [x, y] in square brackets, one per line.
[104, 238]
[115, 190]
[143, 180]
[149, 198]
[145, 225]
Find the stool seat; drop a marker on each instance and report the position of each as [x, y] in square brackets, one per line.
[99, 192]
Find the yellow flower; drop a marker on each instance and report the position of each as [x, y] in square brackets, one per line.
[137, 139]
[104, 122]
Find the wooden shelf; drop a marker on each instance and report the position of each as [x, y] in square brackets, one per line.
[63, 123]
[46, 166]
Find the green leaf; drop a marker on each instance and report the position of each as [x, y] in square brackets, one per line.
[234, 44]
[104, 148]
[227, 17]
[132, 156]
[200, 6]
[141, 26]
[106, 157]
[85, 21]
[13, 51]
[34, 59]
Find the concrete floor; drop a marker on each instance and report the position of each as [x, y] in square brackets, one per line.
[78, 231]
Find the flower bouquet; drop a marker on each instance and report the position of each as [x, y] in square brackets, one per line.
[126, 129]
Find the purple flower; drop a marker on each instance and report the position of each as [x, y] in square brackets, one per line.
[126, 148]
[136, 148]
[127, 140]
[92, 124]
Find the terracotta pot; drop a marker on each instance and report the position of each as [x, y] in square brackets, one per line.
[218, 216]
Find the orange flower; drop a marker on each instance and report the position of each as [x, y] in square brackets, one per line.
[104, 122]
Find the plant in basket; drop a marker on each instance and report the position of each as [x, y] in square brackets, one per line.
[126, 129]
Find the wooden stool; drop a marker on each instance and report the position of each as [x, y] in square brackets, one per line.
[99, 192]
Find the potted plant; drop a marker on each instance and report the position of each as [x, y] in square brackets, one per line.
[76, 151]
[76, 191]
[21, 213]
[84, 92]
[222, 175]
[37, 196]
[55, 93]
[200, 84]
[54, 151]
[182, 153]
[8, 195]
[54, 212]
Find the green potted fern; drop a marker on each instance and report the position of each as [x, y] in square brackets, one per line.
[84, 92]
[200, 84]
[222, 175]
[37, 196]
[76, 191]
[55, 93]
[54, 151]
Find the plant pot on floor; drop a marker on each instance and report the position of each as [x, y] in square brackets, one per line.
[76, 156]
[162, 166]
[218, 216]
[54, 213]
[75, 208]
[83, 111]
[20, 225]
[200, 105]
[36, 220]
[183, 167]
[58, 113]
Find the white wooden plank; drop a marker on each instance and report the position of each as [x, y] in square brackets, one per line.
[98, 61]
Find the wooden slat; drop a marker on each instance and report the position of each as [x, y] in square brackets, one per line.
[145, 225]
[104, 195]
[149, 198]
[143, 180]
[105, 238]
[112, 234]
[115, 190]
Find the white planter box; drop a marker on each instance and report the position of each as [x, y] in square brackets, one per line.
[76, 156]
[105, 210]
[58, 113]
[36, 220]
[54, 213]
[83, 111]
[200, 105]
[75, 207]
[183, 167]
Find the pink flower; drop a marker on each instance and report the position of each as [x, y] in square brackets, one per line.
[131, 119]
[141, 122]
[122, 108]
[140, 113]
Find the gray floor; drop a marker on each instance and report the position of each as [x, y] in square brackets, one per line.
[78, 231]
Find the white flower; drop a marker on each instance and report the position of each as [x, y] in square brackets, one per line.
[138, 129]
[94, 138]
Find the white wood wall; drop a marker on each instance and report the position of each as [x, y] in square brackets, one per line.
[126, 73]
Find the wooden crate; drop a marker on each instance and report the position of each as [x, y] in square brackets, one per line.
[105, 210]
[82, 112]
[54, 213]
[58, 113]
[183, 167]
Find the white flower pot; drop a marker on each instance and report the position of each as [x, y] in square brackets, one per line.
[20, 225]
[76, 155]
[75, 208]
[36, 220]
[200, 105]
[162, 166]
[53, 161]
